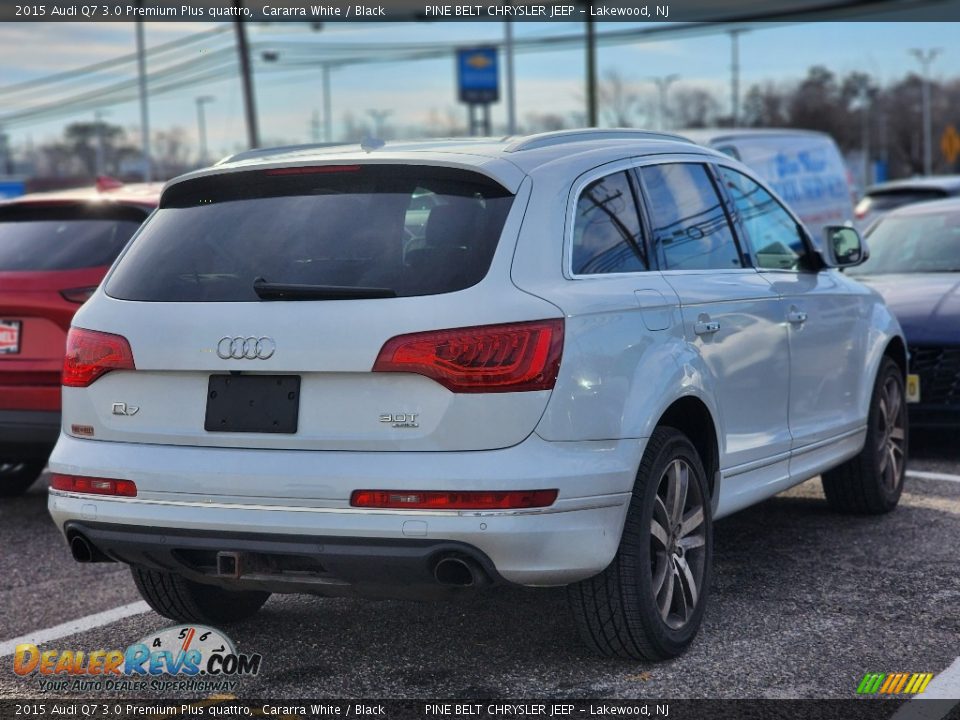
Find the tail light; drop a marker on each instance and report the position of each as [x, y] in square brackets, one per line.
[93, 485]
[91, 354]
[459, 500]
[484, 359]
[78, 295]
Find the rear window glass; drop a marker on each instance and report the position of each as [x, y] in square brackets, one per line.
[412, 230]
[64, 237]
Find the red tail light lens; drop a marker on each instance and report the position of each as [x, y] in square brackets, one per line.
[461, 500]
[90, 354]
[489, 358]
[93, 485]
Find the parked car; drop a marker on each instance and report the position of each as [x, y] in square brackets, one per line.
[915, 264]
[880, 199]
[804, 167]
[603, 341]
[54, 250]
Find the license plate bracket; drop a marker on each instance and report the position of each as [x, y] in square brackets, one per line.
[253, 403]
[10, 333]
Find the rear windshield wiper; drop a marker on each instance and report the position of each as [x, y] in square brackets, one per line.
[286, 291]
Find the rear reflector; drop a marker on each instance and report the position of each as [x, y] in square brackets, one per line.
[460, 500]
[490, 358]
[90, 354]
[93, 485]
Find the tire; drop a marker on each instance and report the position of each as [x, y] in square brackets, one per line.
[18, 475]
[618, 613]
[871, 482]
[183, 600]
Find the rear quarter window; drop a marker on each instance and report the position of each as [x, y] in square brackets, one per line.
[414, 230]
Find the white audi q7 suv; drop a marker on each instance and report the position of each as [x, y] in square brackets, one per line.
[547, 360]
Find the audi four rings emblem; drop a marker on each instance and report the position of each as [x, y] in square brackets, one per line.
[245, 348]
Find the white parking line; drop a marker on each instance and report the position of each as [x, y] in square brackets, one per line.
[945, 686]
[921, 475]
[7, 647]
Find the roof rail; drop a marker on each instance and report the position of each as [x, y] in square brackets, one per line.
[561, 137]
[279, 150]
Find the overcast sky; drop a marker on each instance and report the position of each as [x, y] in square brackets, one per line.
[412, 90]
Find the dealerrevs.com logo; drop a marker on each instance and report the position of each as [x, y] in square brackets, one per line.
[182, 657]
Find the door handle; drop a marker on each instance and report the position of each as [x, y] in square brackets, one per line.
[706, 327]
[796, 316]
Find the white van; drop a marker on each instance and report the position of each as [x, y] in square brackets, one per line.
[804, 167]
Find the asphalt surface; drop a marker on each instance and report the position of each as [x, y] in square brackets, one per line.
[803, 602]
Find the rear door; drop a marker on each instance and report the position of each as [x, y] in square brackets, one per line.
[732, 316]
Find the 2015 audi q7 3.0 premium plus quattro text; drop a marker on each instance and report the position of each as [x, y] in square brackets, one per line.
[552, 360]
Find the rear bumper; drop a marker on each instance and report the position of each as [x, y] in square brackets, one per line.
[574, 539]
[28, 434]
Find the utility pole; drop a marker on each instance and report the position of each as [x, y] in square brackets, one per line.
[101, 149]
[663, 84]
[249, 102]
[202, 126]
[511, 91]
[926, 58]
[735, 74]
[591, 44]
[144, 115]
[327, 105]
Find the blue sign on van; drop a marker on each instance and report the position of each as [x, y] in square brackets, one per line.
[11, 188]
[478, 75]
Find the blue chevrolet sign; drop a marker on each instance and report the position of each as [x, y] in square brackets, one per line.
[478, 76]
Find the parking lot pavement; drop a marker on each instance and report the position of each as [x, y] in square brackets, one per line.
[804, 602]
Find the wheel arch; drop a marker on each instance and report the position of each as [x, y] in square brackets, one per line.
[691, 416]
[896, 350]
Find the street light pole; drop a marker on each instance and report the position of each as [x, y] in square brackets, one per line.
[202, 126]
[101, 150]
[663, 84]
[144, 115]
[511, 92]
[926, 58]
[327, 105]
[735, 74]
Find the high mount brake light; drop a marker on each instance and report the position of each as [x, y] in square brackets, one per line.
[514, 357]
[313, 170]
[93, 485]
[91, 354]
[456, 500]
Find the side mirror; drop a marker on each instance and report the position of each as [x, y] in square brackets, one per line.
[844, 247]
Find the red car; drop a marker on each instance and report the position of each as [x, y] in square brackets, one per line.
[55, 249]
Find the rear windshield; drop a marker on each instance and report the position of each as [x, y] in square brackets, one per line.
[410, 230]
[64, 237]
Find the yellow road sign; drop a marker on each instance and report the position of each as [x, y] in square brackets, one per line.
[950, 144]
